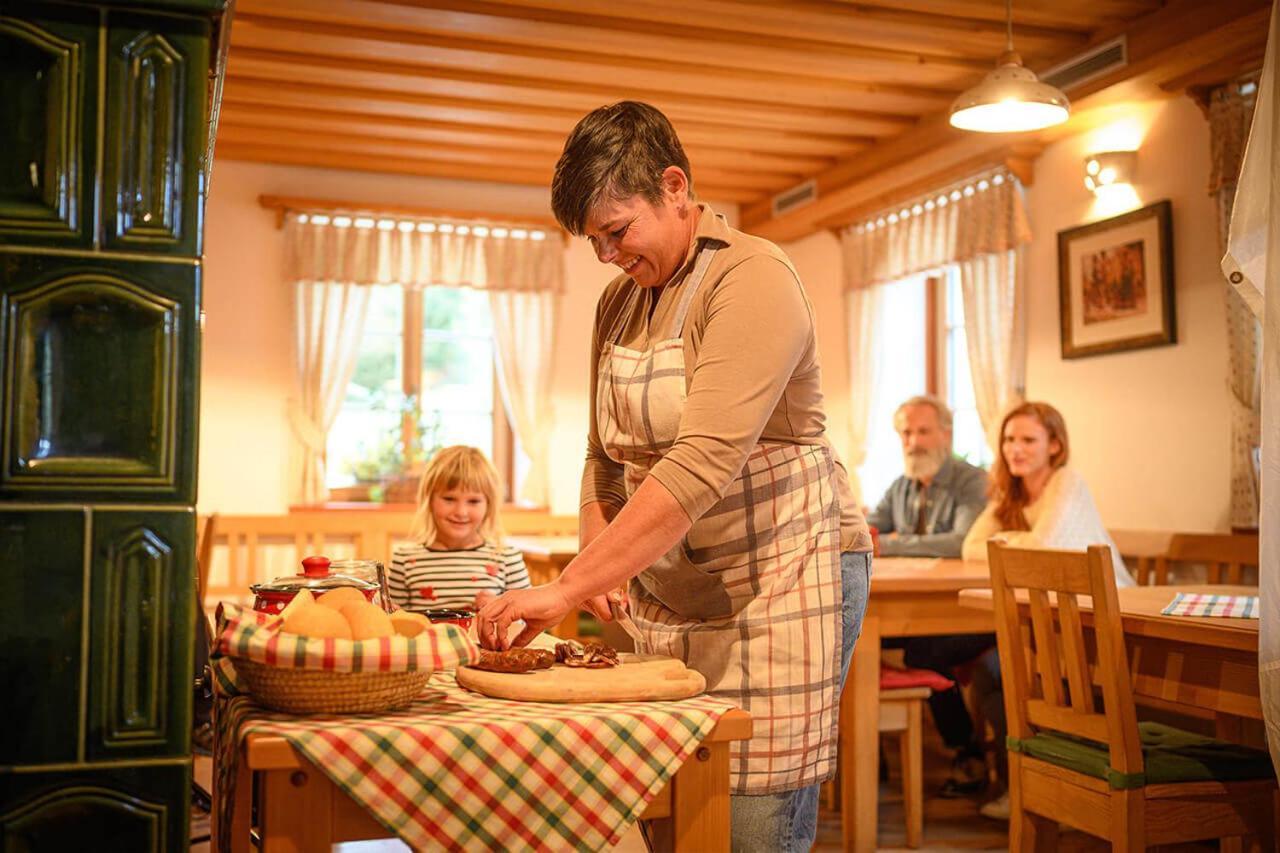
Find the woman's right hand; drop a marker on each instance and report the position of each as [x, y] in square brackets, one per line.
[600, 605]
[540, 607]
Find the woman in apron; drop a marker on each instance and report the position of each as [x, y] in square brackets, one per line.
[710, 488]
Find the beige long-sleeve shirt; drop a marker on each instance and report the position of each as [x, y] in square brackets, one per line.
[1064, 516]
[751, 368]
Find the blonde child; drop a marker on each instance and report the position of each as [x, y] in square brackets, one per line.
[457, 559]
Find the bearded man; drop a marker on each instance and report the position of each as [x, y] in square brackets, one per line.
[928, 510]
[926, 513]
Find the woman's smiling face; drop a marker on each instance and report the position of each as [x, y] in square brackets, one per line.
[646, 241]
[1027, 447]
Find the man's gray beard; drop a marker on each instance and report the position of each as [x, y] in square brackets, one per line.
[925, 465]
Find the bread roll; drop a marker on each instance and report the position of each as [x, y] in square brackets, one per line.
[409, 624]
[312, 620]
[341, 597]
[367, 621]
[304, 598]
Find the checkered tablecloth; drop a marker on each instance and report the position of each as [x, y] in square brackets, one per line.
[458, 770]
[1201, 604]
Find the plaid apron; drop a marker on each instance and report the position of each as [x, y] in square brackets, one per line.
[751, 596]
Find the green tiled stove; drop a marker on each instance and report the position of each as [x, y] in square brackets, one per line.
[105, 129]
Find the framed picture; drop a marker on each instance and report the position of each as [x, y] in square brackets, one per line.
[1115, 283]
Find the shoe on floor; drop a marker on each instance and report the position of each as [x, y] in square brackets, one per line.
[968, 777]
[997, 809]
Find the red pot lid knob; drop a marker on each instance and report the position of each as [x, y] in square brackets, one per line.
[315, 567]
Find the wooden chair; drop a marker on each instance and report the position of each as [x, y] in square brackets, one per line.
[1142, 548]
[204, 557]
[1225, 554]
[900, 714]
[1098, 770]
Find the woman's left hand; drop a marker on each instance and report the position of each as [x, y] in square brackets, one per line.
[540, 607]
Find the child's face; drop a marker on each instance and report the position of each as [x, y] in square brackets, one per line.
[458, 514]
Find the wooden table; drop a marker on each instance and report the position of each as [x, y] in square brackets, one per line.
[909, 598]
[546, 557]
[300, 810]
[1192, 664]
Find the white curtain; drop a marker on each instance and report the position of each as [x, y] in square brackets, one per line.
[980, 225]
[995, 330]
[863, 304]
[523, 326]
[521, 268]
[329, 319]
[1230, 111]
[1252, 265]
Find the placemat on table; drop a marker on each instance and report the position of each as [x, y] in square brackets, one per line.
[459, 770]
[1203, 604]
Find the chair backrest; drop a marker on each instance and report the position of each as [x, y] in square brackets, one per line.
[1225, 555]
[1142, 549]
[1041, 645]
[206, 528]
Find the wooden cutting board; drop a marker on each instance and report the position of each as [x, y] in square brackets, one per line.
[638, 678]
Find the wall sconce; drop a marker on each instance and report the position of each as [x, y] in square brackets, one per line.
[1109, 168]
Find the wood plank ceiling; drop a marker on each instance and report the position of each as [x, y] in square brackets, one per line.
[765, 94]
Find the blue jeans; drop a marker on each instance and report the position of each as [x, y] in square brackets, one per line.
[788, 821]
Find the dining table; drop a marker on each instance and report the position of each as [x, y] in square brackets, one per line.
[457, 769]
[1196, 665]
[908, 597]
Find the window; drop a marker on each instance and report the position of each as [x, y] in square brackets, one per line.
[424, 378]
[954, 382]
[921, 349]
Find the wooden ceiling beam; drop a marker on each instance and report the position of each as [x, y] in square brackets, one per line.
[581, 98]
[1083, 16]
[307, 39]
[235, 134]
[794, 23]
[1160, 45]
[393, 128]
[746, 52]
[518, 117]
[324, 158]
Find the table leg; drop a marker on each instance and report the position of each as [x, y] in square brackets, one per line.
[242, 814]
[860, 742]
[700, 800]
[298, 813]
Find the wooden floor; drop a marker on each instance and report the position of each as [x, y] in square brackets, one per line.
[948, 824]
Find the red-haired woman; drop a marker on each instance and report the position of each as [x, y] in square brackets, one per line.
[1036, 500]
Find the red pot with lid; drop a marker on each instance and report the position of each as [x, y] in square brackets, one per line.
[316, 576]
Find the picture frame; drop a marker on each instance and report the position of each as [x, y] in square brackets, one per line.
[1116, 283]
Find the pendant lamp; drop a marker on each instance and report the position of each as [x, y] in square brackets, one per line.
[1011, 98]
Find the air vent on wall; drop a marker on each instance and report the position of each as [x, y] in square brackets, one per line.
[797, 196]
[1093, 63]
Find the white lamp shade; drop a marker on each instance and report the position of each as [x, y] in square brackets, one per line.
[1009, 99]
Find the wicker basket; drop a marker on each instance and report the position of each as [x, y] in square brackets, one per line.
[311, 691]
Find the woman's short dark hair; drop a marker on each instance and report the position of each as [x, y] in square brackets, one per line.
[615, 152]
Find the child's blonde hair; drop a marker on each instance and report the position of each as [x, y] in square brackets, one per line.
[458, 467]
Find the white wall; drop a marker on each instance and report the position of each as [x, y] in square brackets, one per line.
[1149, 429]
[247, 366]
[817, 259]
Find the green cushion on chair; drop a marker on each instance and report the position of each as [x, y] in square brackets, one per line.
[1168, 754]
